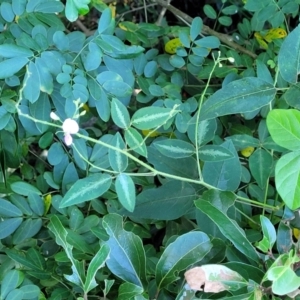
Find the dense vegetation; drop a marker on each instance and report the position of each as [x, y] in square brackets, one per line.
[149, 151]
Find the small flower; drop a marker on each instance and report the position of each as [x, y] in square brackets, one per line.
[69, 127]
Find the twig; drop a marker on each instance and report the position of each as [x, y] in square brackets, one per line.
[82, 27]
[226, 39]
[162, 14]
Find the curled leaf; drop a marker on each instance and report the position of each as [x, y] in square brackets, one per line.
[172, 45]
[246, 152]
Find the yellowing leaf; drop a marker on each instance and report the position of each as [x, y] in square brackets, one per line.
[86, 107]
[172, 45]
[128, 26]
[260, 40]
[296, 233]
[152, 134]
[274, 34]
[112, 7]
[247, 151]
[47, 203]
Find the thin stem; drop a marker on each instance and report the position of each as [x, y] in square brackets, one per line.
[198, 117]
[153, 171]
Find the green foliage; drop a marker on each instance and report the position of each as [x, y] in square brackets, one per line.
[140, 161]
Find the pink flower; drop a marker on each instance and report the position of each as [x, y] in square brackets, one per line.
[69, 127]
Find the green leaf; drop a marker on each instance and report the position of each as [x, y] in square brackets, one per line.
[117, 88]
[8, 226]
[11, 50]
[135, 141]
[210, 11]
[127, 257]
[19, 6]
[120, 114]
[129, 290]
[225, 20]
[118, 160]
[11, 280]
[30, 291]
[186, 250]
[174, 148]
[95, 264]
[174, 200]
[151, 117]
[36, 203]
[88, 188]
[15, 295]
[287, 179]
[33, 259]
[240, 96]
[177, 61]
[32, 83]
[50, 7]
[11, 66]
[41, 111]
[214, 153]
[261, 165]
[196, 28]
[24, 188]
[229, 228]
[226, 174]
[283, 126]
[105, 20]
[269, 237]
[26, 230]
[75, 7]
[208, 42]
[61, 239]
[8, 209]
[150, 69]
[7, 12]
[125, 189]
[289, 56]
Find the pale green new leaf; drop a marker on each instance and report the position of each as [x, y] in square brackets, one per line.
[269, 237]
[287, 179]
[283, 126]
[239, 96]
[88, 188]
[186, 250]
